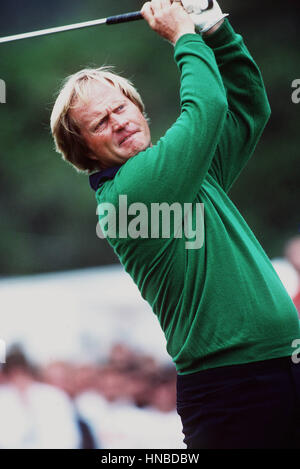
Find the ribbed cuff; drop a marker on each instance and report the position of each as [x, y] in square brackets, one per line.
[187, 38]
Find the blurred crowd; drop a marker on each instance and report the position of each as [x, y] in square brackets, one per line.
[127, 402]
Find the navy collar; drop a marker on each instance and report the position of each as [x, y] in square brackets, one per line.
[97, 179]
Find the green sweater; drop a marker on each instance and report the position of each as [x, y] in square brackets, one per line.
[223, 303]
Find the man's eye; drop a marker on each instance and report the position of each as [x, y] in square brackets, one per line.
[121, 107]
[100, 124]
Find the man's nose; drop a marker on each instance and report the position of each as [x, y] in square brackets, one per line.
[118, 122]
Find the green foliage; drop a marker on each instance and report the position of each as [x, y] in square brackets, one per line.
[48, 211]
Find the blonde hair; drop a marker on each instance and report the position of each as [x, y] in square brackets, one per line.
[66, 132]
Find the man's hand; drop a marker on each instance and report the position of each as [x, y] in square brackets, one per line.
[169, 20]
[206, 21]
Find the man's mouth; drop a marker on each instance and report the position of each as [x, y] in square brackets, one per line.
[127, 137]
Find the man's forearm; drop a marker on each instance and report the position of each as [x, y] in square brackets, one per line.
[240, 74]
[248, 106]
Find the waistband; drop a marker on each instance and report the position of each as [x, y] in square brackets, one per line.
[237, 371]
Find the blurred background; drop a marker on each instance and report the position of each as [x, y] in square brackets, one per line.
[73, 322]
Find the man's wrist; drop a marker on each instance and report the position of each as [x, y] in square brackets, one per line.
[180, 35]
[214, 28]
[223, 35]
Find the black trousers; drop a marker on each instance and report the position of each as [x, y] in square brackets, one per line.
[256, 405]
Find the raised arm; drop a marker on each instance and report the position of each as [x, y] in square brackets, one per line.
[174, 169]
[248, 106]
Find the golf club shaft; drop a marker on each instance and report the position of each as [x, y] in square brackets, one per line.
[133, 16]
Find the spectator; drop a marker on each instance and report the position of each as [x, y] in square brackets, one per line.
[122, 357]
[292, 253]
[163, 396]
[162, 425]
[62, 375]
[33, 415]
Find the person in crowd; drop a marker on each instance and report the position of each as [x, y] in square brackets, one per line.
[292, 254]
[34, 415]
[62, 375]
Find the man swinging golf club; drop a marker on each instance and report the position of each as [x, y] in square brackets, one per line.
[228, 322]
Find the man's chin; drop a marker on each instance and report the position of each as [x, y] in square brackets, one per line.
[135, 151]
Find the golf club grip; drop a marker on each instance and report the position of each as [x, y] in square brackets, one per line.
[133, 16]
[136, 15]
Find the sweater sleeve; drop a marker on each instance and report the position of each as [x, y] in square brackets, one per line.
[174, 169]
[248, 106]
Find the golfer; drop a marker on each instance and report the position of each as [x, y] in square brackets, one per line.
[228, 321]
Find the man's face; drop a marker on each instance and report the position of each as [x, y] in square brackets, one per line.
[113, 127]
